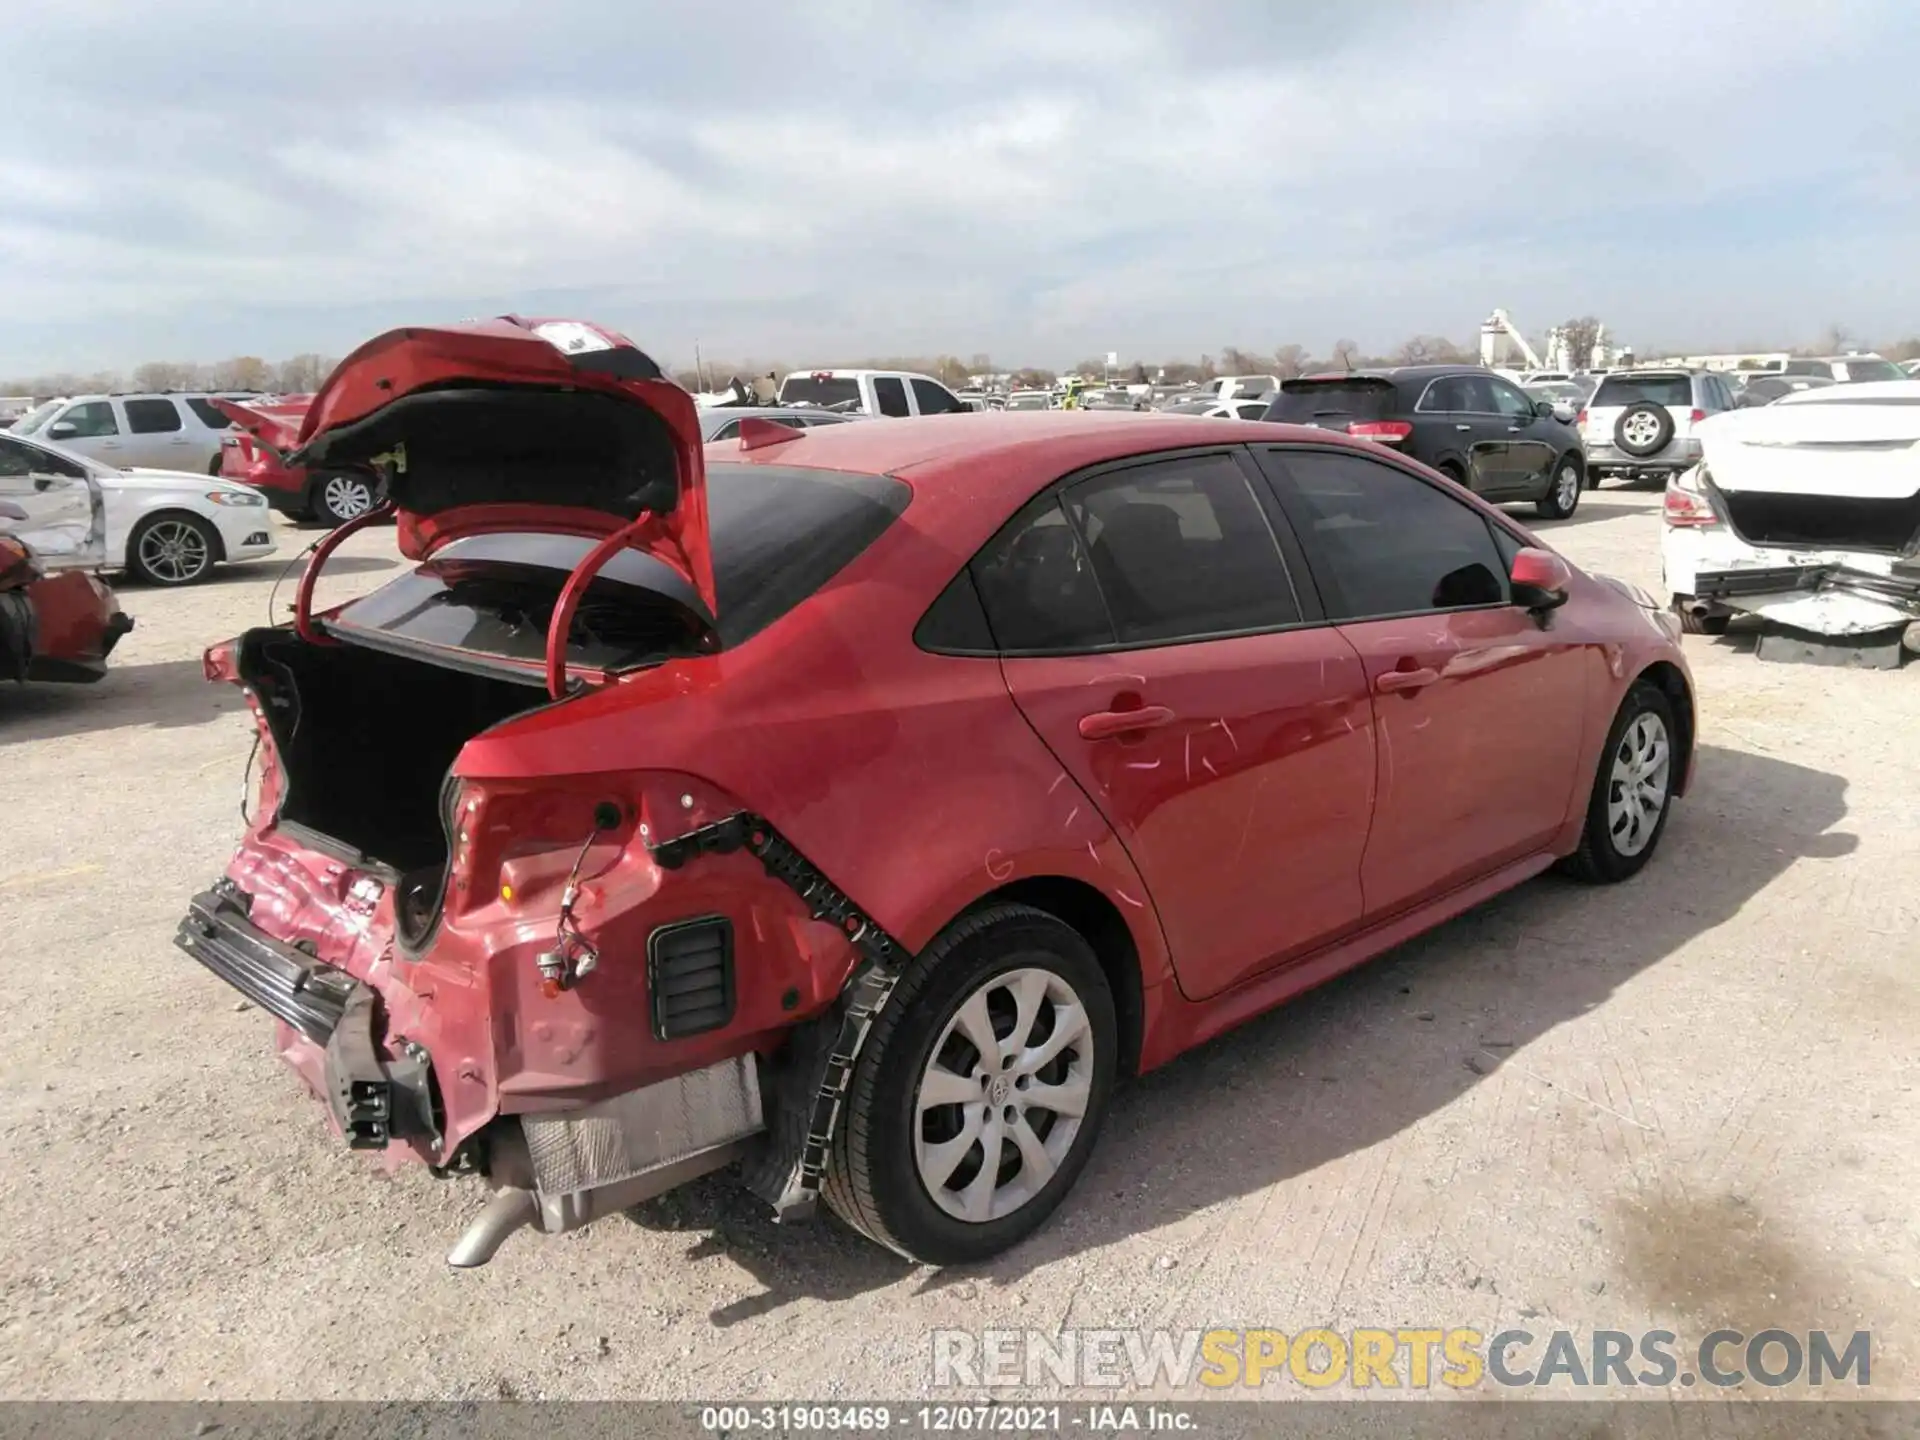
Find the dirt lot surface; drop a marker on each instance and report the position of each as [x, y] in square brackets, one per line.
[1688, 1101]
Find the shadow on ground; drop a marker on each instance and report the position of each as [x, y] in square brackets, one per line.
[165, 694]
[1355, 1062]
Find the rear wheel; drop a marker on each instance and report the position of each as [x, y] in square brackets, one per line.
[980, 1090]
[1452, 471]
[340, 497]
[1563, 491]
[1632, 791]
[172, 549]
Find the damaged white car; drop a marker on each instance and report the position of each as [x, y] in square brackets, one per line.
[1805, 513]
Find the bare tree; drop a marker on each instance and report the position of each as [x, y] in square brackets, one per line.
[1236, 361]
[164, 375]
[1837, 339]
[302, 373]
[1137, 375]
[1289, 361]
[1345, 354]
[1206, 371]
[1581, 333]
[243, 372]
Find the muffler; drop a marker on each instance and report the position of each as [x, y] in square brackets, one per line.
[561, 1171]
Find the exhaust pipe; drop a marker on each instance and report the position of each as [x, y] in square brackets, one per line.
[514, 1208]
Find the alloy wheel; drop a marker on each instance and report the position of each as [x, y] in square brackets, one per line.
[1566, 486]
[1003, 1095]
[1638, 787]
[344, 497]
[1641, 429]
[174, 552]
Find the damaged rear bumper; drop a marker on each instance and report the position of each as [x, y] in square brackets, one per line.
[374, 1099]
[1832, 598]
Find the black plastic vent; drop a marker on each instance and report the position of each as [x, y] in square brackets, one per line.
[690, 977]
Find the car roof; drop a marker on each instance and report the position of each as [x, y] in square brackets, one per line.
[995, 461]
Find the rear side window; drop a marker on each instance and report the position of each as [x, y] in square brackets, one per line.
[152, 417]
[1675, 391]
[890, 395]
[819, 390]
[1301, 402]
[1181, 548]
[1036, 582]
[933, 399]
[1809, 367]
[1386, 543]
[209, 416]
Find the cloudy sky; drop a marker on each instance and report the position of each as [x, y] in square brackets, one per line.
[1038, 181]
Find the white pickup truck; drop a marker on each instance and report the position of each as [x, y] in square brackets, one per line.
[871, 392]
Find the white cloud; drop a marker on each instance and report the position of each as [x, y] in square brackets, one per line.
[1045, 181]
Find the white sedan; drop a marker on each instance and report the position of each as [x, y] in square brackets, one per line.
[164, 527]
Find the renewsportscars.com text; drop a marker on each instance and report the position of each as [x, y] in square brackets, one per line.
[1402, 1358]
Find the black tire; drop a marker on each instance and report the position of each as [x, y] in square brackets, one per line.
[213, 467]
[162, 549]
[1600, 860]
[1563, 491]
[326, 508]
[873, 1181]
[1453, 472]
[1653, 441]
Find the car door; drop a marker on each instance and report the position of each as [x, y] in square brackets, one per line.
[1531, 451]
[156, 436]
[90, 427]
[52, 492]
[932, 399]
[1453, 430]
[1478, 706]
[1152, 635]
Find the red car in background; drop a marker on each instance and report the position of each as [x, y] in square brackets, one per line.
[253, 457]
[858, 803]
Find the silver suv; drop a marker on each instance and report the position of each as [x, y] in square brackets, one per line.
[1639, 424]
[176, 430]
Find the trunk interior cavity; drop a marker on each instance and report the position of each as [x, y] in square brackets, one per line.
[365, 741]
[1826, 522]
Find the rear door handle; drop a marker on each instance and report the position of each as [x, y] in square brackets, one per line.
[1104, 723]
[1389, 681]
[1463, 427]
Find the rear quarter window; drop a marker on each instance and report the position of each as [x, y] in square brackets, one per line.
[1675, 391]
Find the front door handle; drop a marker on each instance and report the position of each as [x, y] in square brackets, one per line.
[1390, 681]
[1104, 723]
[1463, 427]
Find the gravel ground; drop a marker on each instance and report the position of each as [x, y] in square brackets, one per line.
[1687, 1101]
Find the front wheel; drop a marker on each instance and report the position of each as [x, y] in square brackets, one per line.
[172, 549]
[978, 1094]
[1563, 491]
[1632, 791]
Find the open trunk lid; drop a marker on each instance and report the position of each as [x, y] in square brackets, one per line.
[553, 426]
[1840, 473]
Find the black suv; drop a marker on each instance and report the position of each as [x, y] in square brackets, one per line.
[1470, 424]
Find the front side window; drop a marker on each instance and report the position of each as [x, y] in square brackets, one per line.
[18, 462]
[90, 420]
[1386, 542]
[152, 417]
[1509, 401]
[890, 395]
[1181, 548]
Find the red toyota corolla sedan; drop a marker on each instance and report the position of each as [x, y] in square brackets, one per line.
[857, 804]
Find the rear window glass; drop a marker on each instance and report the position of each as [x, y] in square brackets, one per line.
[778, 535]
[209, 416]
[1672, 390]
[1860, 370]
[807, 390]
[1303, 401]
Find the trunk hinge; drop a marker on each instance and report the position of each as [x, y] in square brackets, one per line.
[788, 1172]
[560, 627]
[328, 543]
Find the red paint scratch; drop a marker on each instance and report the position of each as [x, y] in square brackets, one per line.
[1223, 725]
[1056, 782]
[998, 868]
[1143, 764]
[1209, 764]
[1129, 899]
[1072, 815]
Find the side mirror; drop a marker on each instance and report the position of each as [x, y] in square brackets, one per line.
[11, 511]
[1540, 580]
[65, 430]
[1544, 409]
[1564, 412]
